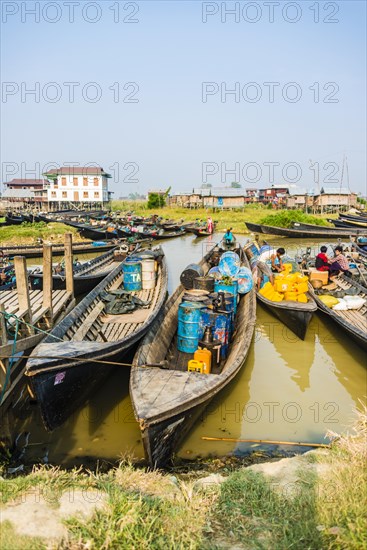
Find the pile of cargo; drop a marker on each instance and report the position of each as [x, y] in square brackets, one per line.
[287, 286]
[206, 316]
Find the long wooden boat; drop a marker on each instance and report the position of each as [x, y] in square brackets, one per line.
[86, 276]
[358, 247]
[360, 218]
[295, 315]
[303, 233]
[341, 223]
[74, 358]
[353, 322]
[167, 401]
[34, 251]
[202, 233]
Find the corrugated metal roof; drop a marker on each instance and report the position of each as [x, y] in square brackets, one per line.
[25, 181]
[77, 170]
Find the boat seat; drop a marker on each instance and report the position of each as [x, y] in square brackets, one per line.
[88, 322]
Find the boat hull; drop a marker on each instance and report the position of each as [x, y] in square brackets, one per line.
[304, 234]
[82, 285]
[296, 320]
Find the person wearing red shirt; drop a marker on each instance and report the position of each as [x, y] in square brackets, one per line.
[322, 262]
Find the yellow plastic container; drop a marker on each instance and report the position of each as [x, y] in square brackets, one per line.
[291, 296]
[302, 298]
[204, 356]
[281, 285]
[302, 288]
[288, 267]
[195, 366]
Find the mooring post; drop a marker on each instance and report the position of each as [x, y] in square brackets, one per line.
[24, 302]
[47, 280]
[69, 263]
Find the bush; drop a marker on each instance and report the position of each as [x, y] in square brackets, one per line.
[285, 218]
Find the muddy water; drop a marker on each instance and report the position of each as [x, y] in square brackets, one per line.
[288, 390]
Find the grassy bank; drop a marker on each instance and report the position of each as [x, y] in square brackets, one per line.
[256, 213]
[27, 233]
[318, 502]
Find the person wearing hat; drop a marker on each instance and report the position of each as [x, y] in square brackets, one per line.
[228, 236]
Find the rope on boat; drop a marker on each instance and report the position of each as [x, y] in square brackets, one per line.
[20, 320]
[78, 359]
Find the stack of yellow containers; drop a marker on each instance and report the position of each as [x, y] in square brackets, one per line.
[287, 286]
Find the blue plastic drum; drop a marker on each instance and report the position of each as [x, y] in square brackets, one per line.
[245, 280]
[215, 273]
[188, 333]
[229, 264]
[232, 289]
[131, 269]
[221, 326]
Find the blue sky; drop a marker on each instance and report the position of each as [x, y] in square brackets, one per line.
[163, 130]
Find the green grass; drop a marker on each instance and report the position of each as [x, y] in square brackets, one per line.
[10, 540]
[285, 218]
[27, 233]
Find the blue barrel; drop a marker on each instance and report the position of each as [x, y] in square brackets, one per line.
[229, 264]
[188, 333]
[245, 280]
[221, 327]
[232, 289]
[131, 269]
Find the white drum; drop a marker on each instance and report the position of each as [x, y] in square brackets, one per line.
[148, 274]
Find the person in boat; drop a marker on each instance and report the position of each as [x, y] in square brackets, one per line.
[262, 274]
[274, 257]
[228, 236]
[339, 263]
[210, 225]
[322, 262]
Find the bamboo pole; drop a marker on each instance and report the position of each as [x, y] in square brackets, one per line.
[69, 263]
[234, 440]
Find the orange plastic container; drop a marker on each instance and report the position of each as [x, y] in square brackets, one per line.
[205, 356]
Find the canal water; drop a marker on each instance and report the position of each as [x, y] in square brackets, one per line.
[288, 390]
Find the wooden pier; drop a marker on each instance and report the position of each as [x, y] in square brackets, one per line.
[26, 315]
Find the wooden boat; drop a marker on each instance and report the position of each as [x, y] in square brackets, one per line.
[353, 322]
[74, 358]
[12, 219]
[34, 251]
[295, 315]
[87, 275]
[229, 245]
[7, 279]
[342, 223]
[202, 233]
[358, 247]
[92, 233]
[167, 401]
[303, 233]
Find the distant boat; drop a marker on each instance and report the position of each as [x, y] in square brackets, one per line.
[86, 276]
[303, 233]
